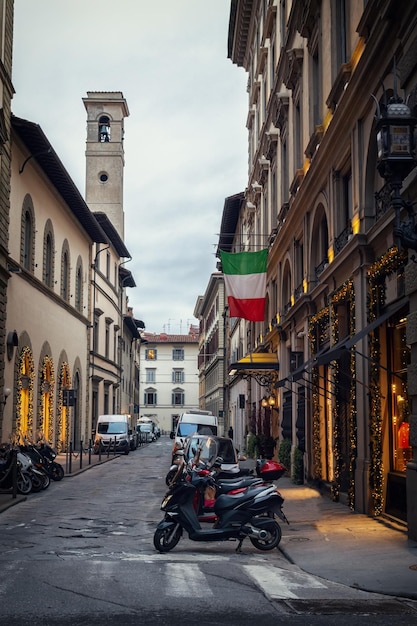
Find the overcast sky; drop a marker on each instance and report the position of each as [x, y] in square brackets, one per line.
[185, 138]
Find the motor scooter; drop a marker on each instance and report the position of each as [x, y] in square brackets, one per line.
[40, 480]
[11, 470]
[238, 516]
[204, 499]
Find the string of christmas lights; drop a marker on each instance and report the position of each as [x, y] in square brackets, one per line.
[390, 262]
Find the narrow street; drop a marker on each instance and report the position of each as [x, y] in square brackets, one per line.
[81, 552]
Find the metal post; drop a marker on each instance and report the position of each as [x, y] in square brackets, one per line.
[81, 454]
[14, 472]
[70, 458]
[90, 443]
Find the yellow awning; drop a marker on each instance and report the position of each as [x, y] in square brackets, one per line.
[256, 361]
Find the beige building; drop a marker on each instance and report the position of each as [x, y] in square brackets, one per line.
[168, 376]
[339, 285]
[71, 342]
[6, 93]
[51, 234]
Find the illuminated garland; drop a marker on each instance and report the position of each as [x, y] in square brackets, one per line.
[390, 262]
[26, 368]
[63, 383]
[318, 332]
[344, 294]
[47, 376]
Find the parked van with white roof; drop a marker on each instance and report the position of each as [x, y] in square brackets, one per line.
[194, 421]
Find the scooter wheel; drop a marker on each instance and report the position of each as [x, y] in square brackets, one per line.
[37, 483]
[57, 472]
[166, 539]
[46, 481]
[273, 537]
[24, 483]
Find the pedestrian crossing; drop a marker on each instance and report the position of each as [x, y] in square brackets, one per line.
[184, 579]
[281, 584]
[203, 577]
[188, 577]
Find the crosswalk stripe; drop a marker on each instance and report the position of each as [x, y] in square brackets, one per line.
[186, 581]
[278, 584]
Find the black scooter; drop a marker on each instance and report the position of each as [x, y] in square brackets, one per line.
[238, 516]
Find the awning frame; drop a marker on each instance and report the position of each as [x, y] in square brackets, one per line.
[261, 366]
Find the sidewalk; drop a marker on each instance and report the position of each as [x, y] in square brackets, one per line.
[71, 469]
[327, 539]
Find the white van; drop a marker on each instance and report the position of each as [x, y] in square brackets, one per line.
[113, 430]
[194, 421]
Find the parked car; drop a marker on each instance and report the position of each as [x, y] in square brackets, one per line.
[207, 448]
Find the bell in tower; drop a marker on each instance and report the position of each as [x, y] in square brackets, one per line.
[104, 129]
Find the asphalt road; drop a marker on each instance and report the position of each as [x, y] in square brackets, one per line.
[81, 553]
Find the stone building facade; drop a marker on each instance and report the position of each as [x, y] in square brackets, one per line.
[6, 94]
[340, 289]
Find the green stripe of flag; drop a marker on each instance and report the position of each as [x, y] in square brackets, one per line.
[244, 262]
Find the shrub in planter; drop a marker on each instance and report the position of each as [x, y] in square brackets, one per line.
[284, 453]
[252, 446]
[266, 446]
[297, 473]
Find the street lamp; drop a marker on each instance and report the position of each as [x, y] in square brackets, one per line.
[6, 394]
[395, 126]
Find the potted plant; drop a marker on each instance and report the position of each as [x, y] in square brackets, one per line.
[266, 446]
[252, 449]
[284, 454]
[297, 468]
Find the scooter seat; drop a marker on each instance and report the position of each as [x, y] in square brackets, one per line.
[224, 501]
[238, 483]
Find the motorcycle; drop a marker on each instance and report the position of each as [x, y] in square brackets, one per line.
[43, 456]
[40, 480]
[33, 463]
[7, 466]
[242, 515]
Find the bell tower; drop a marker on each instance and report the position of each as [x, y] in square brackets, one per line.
[106, 111]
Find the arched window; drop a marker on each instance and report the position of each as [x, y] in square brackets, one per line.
[27, 252]
[48, 255]
[65, 272]
[286, 289]
[79, 286]
[320, 237]
[104, 129]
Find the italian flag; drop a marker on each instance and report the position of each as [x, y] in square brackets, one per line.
[245, 282]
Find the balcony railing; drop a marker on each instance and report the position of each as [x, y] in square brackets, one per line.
[321, 267]
[342, 240]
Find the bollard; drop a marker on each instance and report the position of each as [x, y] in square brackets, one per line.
[90, 443]
[14, 472]
[70, 458]
[81, 454]
[99, 450]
